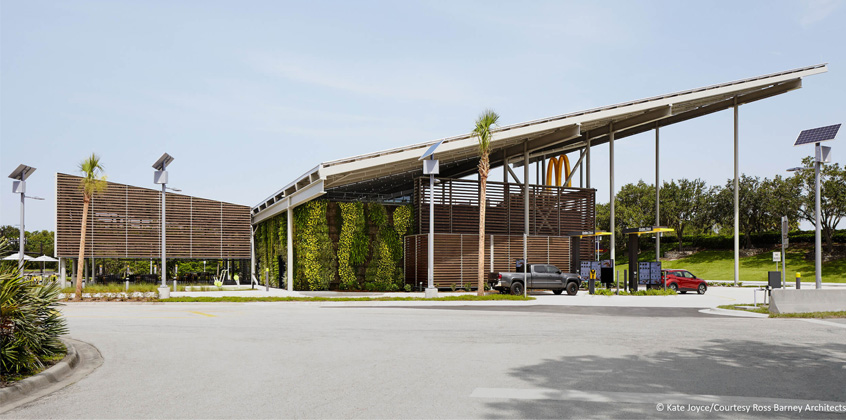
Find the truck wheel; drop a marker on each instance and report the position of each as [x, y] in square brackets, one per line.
[557, 291]
[572, 288]
[516, 288]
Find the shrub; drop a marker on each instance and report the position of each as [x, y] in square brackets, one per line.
[30, 323]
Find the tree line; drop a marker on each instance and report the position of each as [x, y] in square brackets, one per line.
[693, 207]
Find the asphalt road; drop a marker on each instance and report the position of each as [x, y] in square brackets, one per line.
[306, 360]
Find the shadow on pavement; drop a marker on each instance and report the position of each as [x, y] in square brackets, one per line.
[720, 367]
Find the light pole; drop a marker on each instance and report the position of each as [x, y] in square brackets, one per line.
[430, 167]
[822, 155]
[160, 177]
[19, 176]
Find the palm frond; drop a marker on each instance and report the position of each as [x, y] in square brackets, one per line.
[482, 130]
[93, 179]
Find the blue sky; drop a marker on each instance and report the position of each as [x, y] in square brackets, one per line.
[247, 95]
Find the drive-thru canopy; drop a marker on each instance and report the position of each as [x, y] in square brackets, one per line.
[388, 175]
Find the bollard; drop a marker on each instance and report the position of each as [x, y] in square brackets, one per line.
[618, 283]
[267, 280]
[174, 285]
[127, 286]
[798, 281]
[591, 286]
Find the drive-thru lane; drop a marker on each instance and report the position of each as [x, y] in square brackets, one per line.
[284, 359]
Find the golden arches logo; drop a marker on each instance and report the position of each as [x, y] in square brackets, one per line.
[557, 164]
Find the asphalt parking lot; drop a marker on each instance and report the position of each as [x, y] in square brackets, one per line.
[310, 360]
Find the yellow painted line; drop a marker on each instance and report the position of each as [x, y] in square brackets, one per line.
[203, 314]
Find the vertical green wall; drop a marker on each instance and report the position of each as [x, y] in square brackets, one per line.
[343, 246]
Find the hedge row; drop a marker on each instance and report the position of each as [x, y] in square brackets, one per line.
[759, 240]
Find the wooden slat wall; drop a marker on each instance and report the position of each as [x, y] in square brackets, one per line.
[124, 223]
[553, 211]
[456, 256]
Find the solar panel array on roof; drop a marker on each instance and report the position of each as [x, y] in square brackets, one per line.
[816, 135]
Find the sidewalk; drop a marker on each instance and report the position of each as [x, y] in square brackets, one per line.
[714, 297]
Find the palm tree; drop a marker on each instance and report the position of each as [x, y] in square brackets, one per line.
[93, 182]
[483, 133]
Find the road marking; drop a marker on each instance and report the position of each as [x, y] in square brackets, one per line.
[203, 314]
[827, 323]
[631, 397]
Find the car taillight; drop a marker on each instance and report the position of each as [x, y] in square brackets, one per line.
[499, 276]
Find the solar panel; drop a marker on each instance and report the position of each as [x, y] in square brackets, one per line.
[22, 172]
[816, 135]
[163, 161]
[431, 150]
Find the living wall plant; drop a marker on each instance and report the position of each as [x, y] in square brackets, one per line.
[385, 270]
[271, 243]
[315, 257]
[352, 244]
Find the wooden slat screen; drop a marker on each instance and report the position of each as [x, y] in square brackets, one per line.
[456, 256]
[553, 211]
[124, 222]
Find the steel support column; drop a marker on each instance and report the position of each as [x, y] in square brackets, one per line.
[22, 238]
[587, 156]
[657, 198]
[525, 216]
[289, 264]
[613, 194]
[62, 275]
[253, 278]
[818, 236]
[736, 201]
[164, 235]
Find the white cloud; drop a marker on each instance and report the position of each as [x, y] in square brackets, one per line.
[817, 10]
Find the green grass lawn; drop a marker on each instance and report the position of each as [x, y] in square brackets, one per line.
[719, 266]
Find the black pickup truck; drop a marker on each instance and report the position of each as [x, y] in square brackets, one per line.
[539, 276]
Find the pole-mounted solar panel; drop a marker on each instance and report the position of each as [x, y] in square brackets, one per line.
[22, 172]
[816, 135]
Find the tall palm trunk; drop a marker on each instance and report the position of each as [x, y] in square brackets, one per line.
[81, 262]
[484, 168]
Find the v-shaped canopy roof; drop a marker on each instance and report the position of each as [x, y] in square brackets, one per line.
[391, 172]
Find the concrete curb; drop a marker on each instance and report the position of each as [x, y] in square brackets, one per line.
[81, 359]
[732, 312]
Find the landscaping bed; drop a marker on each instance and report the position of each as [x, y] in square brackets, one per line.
[47, 362]
[764, 309]
[344, 299]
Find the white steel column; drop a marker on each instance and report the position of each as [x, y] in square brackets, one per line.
[736, 201]
[253, 278]
[657, 199]
[22, 239]
[290, 236]
[504, 167]
[525, 217]
[431, 253]
[818, 237]
[164, 236]
[613, 194]
[62, 274]
[587, 156]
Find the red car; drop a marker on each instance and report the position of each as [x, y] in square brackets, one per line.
[683, 281]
